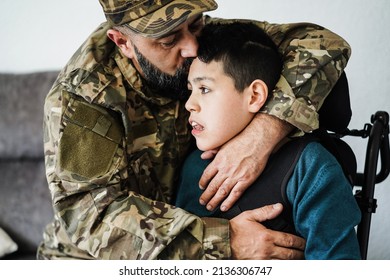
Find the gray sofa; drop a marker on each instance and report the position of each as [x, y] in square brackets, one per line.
[25, 206]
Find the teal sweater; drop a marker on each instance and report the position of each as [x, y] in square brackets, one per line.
[324, 210]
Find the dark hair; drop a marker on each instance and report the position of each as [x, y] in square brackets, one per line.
[246, 51]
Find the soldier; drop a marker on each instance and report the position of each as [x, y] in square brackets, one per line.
[116, 131]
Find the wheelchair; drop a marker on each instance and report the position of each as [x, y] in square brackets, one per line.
[335, 115]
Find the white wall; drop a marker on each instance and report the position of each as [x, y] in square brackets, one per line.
[42, 35]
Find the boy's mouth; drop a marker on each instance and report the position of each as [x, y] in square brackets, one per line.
[196, 126]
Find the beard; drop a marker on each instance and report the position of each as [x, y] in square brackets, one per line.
[171, 86]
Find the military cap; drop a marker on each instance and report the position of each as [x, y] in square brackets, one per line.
[153, 18]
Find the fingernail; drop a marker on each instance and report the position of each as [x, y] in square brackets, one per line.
[223, 208]
[201, 187]
[209, 207]
[277, 205]
[201, 201]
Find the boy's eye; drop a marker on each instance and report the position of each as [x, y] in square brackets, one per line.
[204, 90]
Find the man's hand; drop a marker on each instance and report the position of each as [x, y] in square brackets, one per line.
[251, 240]
[240, 161]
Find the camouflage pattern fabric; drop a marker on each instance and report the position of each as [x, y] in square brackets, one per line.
[113, 146]
[153, 18]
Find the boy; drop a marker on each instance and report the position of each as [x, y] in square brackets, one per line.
[237, 65]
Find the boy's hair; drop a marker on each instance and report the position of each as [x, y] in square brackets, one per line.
[245, 50]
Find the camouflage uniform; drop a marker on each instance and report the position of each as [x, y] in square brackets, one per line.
[113, 146]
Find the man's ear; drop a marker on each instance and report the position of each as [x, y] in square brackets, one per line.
[258, 91]
[123, 42]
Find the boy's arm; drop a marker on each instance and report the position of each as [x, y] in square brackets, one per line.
[314, 58]
[329, 229]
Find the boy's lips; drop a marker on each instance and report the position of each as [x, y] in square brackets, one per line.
[196, 127]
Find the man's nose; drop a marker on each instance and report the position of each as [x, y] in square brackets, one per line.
[189, 45]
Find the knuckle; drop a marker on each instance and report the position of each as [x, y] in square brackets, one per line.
[265, 235]
[225, 188]
[236, 192]
[266, 253]
[261, 212]
[245, 214]
[289, 241]
[222, 192]
[212, 188]
[290, 254]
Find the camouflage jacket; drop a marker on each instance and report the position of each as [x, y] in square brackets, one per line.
[113, 146]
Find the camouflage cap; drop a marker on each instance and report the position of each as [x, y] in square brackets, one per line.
[153, 18]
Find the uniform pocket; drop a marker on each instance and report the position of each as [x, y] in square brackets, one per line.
[121, 245]
[89, 143]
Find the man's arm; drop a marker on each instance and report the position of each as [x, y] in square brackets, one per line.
[103, 216]
[99, 212]
[314, 59]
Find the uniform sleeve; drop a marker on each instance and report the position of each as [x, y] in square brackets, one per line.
[325, 212]
[313, 60]
[98, 211]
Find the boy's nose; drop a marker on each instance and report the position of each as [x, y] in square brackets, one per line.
[191, 105]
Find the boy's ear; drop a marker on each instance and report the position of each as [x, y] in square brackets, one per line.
[122, 41]
[258, 91]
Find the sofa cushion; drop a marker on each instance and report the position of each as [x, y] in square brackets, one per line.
[21, 114]
[25, 204]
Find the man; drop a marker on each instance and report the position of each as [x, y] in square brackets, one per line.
[116, 131]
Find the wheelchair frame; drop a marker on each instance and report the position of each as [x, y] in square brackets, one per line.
[377, 147]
